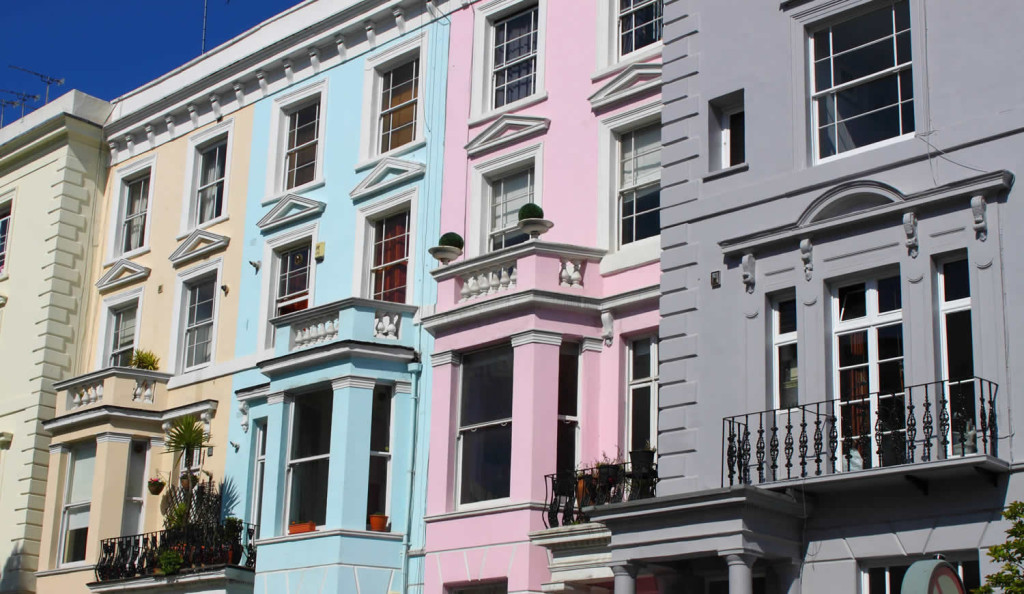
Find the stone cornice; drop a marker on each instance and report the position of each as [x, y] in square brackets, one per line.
[536, 337]
[353, 381]
[332, 352]
[445, 358]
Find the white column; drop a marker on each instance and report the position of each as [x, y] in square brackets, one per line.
[625, 578]
[741, 576]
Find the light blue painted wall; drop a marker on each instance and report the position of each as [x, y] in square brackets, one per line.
[342, 555]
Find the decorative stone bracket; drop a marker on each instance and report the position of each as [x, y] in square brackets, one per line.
[807, 256]
[910, 228]
[978, 210]
[748, 263]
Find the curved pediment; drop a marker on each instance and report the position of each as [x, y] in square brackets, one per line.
[847, 199]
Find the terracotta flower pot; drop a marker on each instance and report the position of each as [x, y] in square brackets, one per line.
[378, 523]
[300, 527]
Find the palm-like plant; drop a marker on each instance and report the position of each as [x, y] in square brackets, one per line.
[185, 438]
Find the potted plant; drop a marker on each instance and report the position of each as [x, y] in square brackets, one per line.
[300, 527]
[156, 485]
[448, 248]
[532, 221]
[143, 359]
[378, 523]
[643, 459]
[169, 561]
[186, 438]
[233, 537]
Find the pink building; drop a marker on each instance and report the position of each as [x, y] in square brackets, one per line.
[546, 355]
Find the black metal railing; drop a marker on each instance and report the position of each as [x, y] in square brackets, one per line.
[569, 492]
[924, 422]
[200, 546]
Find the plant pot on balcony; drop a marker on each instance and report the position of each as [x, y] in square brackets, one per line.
[300, 527]
[535, 227]
[445, 253]
[642, 459]
[378, 523]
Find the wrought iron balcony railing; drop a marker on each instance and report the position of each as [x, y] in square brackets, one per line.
[569, 492]
[200, 546]
[938, 420]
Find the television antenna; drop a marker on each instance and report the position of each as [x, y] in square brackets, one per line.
[46, 79]
[4, 103]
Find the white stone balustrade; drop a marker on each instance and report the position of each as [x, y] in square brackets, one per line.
[386, 324]
[85, 394]
[314, 331]
[571, 273]
[489, 280]
[113, 386]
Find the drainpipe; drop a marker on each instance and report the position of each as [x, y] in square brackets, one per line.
[416, 368]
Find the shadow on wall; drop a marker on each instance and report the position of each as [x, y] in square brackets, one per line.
[229, 499]
[13, 578]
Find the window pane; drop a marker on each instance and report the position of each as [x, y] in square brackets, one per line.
[486, 386]
[640, 418]
[787, 376]
[852, 302]
[311, 429]
[83, 461]
[380, 420]
[877, 580]
[787, 316]
[863, 61]
[956, 280]
[377, 489]
[76, 534]
[853, 349]
[863, 29]
[868, 97]
[486, 463]
[308, 497]
[641, 352]
[890, 296]
[737, 143]
[568, 379]
[566, 455]
[959, 345]
[869, 129]
[890, 342]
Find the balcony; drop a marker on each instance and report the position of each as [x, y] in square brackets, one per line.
[569, 493]
[114, 386]
[348, 319]
[201, 547]
[923, 425]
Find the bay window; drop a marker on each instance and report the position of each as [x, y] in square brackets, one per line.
[485, 425]
[309, 457]
[74, 533]
[380, 452]
[642, 394]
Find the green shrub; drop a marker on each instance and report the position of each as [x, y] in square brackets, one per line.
[1010, 577]
[531, 211]
[170, 561]
[451, 239]
[143, 359]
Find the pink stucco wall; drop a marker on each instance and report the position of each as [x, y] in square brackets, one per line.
[467, 546]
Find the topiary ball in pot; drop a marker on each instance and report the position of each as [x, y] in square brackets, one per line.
[451, 239]
[531, 211]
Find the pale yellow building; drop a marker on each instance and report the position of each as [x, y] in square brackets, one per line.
[167, 261]
[52, 174]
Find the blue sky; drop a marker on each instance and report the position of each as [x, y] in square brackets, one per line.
[109, 47]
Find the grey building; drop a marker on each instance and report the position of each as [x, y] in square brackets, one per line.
[841, 271]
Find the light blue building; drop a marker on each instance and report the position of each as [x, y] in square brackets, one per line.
[331, 395]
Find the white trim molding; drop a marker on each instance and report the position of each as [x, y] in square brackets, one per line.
[128, 172]
[483, 174]
[284, 105]
[634, 81]
[193, 157]
[289, 209]
[198, 244]
[389, 173]
[445, 358]
[366, 216]
[536, 337]
[504, 131]
[124, 272]
[109, 304]
[178, 316]
[353, 381]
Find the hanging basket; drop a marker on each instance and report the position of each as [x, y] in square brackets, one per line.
[156, 487]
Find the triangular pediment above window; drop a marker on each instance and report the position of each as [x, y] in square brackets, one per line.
[122, 273]
[289, 209]
[504, 131]
[198, 244]
[390, 172]
[635, 80]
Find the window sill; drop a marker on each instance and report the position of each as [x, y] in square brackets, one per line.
[206, 225]
[863, 149]
[127, 256]
[633, 255]
[731, 170]
[405, 149]
[641, 55]
[515, 105]
[313, 185]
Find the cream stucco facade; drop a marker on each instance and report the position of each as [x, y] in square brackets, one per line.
[52, 172]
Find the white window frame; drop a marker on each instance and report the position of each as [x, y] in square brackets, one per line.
[141, 501]
[110, 305]
[610, 129]
[478, 230]
[281, 110]
[272, 248]
[780, 339]
[459, 430]
[179, 317]
[575, 348]
[388, 455]
[872, 321]
[7, 225]
[632, 384]
[366, 217]
[258, 473]
[415, 47]
[65, 506]
[609, 58]
[124, 176]
[482, 96]
[289, 462]
[621, 187]
[197, 144]
[814, 95]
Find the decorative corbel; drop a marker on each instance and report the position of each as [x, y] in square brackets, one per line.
[261, 78]
[371, 33]
[314, 58]
[129, 143]
[239, 89]
[243, 410]
[289, 73]
[113, 148]
[978, 208]
[169, 121]
[215, 105]
[748, 271]
[607, 328]
[807, 255]
[166, 427]
[150, 135]
[399, 14]
[339, 42]
[207, 418]
[3, 300]
[910, 228]
[193, 114]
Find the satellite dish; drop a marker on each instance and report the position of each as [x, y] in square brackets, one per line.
[932, 577]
